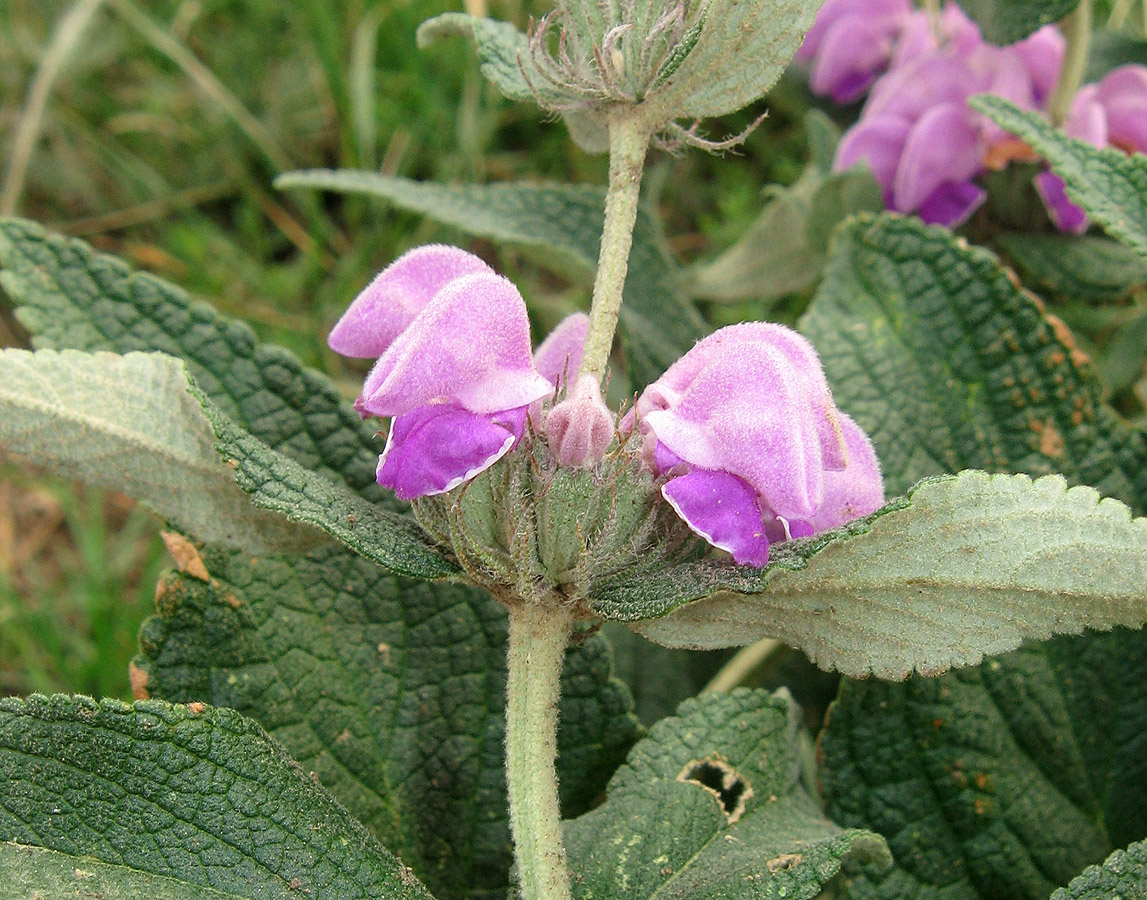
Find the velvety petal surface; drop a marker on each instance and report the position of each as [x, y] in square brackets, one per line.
[1123, 93]
[580, 429]
[879, 142]
[855, 491]
[470, 345]
[943, 147]
[558, 357]
[435, 448]
[388, 304]
[854, 52]
[724, 510]
[952, 203]
[1065, 214]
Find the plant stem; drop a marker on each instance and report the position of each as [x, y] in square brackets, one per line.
[1077, 29]
[538, 638]
[628, 143]
[747, 660]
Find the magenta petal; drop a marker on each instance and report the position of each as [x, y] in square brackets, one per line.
[470, 345]
[558, 357]
[388, 304]
[952, 203]
[879, 142]
[1042, 56]
[944, 146]
[853, 53]
[724, 510]
[1124, 95]
[854, 492]
[435, 448]
[1064, 214]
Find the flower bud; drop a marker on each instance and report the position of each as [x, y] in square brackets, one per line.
[580, 427]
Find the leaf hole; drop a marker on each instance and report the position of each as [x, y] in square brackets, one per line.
[722, 781]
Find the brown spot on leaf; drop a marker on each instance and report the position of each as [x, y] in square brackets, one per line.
[196, 708]
[186, 555]
[231, 600]
[1064, 336]
[1050, 441]
[784, 861]
[138, 678]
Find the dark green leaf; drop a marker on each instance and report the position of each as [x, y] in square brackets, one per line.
[70, 297]
[1123, 876]
[999, 782]
[563, 222]
[32, 873]
[390, 690]
[1007, 21]
[1088, 268]
[193, 794]
[1110, 186]
[962, 567]
[948, 365]
[710, 805]
[1111, 49]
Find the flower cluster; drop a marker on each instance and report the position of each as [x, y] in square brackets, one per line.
[740, 436]
[924, 145]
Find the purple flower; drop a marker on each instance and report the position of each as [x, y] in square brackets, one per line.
[454, 373]
[850, 44]
[1111, 113]
[580, 428]
[756, 452]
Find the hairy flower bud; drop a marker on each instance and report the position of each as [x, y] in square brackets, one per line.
[580, 428]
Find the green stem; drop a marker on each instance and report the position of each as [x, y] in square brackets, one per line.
[1077, 30]
[747, 660]
[538, 638]
[628, 143]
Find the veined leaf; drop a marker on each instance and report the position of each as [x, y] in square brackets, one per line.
[391, 691]
[1110, 186]
[1076, 267]
[1001, 781]
[948, 365]
[966, 566]
[711, 805]
[564, 222]
[132, 423]
[193, 794]
[70, 297]
[1006, 21]
[1122, 876]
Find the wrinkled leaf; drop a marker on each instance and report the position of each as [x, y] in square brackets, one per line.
[948, 365]
[133, 424]
[999, 782]
[1007, 21]
[193, 794]
[1077, 267]
[1122, 876]
[711, 805]
[965, 566]
[1110, 186]
[391, 691]
[70, 297]
[563, 222]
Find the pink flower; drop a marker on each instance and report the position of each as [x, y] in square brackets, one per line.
[755, 448]
[454, 372]
[1111, 113]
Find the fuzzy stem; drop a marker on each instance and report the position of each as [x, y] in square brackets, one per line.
[1077, 30]
[628, 143]
[538, 638]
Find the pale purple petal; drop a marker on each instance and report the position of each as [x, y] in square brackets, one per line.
[1088, 118]
[389, 303]
[559, 356]
[944, 146]
[952, 203]
[925, 83]
[433, 449]
[747, 413]
[856, 491]
[1124, 96]
[879, 142]
[835, 10]
[580, 429]
[469, 345]
[854, 52]
[1042, 55]
[1064, 214]
[724, 510]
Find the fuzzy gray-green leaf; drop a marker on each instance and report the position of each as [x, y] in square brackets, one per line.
[562, 222]
[190, 793]
[133, 424]
[709, 806]
[1122, 876]
[968, 566]
[1107, 184]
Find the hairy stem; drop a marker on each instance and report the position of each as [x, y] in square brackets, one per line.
[538, 638]
[628, 142]
[1077, 30]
